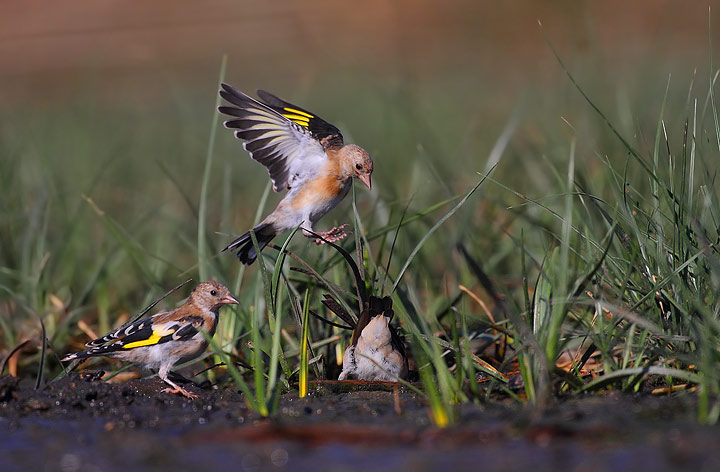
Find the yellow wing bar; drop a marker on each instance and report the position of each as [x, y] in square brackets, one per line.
[153, 339]
[297, 116]
[298, 112]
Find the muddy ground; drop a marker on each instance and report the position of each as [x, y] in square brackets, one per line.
[79, 424]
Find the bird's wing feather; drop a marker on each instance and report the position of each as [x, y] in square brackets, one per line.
[179, 329]
[128, 329]
[146, 332]
[148, 335]
[279, 139]
[326, 133]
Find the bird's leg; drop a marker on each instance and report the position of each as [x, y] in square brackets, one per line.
[335, 234]
[176, 389]
[179, 379]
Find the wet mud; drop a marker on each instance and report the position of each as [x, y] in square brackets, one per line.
[82, 424]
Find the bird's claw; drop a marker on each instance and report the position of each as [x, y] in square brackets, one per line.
[180, 391]
[335, 234]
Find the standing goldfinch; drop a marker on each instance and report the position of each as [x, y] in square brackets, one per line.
[304, 155]
[164, 339]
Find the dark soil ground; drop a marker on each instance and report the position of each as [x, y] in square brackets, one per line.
[80, 424]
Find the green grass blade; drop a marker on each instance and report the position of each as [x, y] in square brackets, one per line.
[427, 235]
[204, 268]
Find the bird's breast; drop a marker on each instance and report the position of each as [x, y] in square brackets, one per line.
[322, 191]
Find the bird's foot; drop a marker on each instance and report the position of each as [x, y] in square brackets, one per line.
[180, 391]
[334, 235]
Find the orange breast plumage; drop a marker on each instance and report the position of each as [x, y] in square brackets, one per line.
[318, 191]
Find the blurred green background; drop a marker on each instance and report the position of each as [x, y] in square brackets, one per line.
[106, 110]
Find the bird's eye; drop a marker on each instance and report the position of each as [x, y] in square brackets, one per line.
[358, 166]
[213, 292]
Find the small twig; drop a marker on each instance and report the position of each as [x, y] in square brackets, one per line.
[478, 301]
[7, 358]
[396, 400]
[220, 364]
[43, 351]
[85, 328]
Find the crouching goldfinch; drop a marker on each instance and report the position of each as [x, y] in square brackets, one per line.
[376, 351]
[164, 339]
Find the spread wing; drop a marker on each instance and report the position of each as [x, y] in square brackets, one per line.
[289, 141]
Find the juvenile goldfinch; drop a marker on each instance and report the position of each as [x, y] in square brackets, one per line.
[304, 155]
[164, 339]
[376, 351]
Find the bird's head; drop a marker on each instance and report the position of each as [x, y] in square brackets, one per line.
[212, 295]
[358, 161]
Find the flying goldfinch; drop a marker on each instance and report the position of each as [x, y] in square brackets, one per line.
[303, 154]
[164, 339]
[376, 351]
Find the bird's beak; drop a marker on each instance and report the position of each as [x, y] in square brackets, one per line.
[228, 300]
[365, 178]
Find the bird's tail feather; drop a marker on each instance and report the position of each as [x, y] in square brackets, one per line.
[98, 351]
[264, 233]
